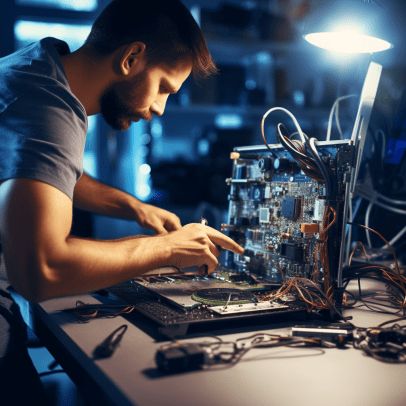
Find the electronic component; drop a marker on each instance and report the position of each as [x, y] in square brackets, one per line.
[264, 215]
[328, 332]
[291, 207]
[248, 308]
[222, 296]
[309, 228]
[292, 251]
[319, 205]
[180, 358]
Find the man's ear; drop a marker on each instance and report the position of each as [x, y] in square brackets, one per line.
[132, 58]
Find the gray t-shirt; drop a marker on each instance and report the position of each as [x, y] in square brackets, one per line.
[42, 124]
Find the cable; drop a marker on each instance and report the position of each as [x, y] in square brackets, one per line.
[396, 263]
[295, 122]
[383, 149]
[297, 150]
[380, 204]
[367, 216]
[334, 110]
[395, 238]
[330, 192]
[374, 196]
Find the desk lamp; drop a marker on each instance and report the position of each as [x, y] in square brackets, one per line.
[348, 26]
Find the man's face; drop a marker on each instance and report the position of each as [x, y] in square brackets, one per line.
[142, 95]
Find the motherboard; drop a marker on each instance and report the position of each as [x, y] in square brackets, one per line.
[278, 213]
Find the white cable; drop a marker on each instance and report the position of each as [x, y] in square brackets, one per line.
[374, 196]
[397, 237]
[330, 121]
[382, 134]
[387, 207]
[332, 111]
[367, 215]
[295, 122]
[390, 200]
[337, 118]
[381, 204]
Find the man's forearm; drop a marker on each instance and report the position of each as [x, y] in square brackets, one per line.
[97, 197]
[84, 265]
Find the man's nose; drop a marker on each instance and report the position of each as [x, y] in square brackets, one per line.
[158, 107]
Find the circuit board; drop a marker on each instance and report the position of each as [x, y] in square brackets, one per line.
[276, 213]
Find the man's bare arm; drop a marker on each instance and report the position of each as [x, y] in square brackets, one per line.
[95, 196]
[44, 261]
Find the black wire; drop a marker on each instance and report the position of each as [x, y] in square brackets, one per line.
[391, 321]
[322, 167]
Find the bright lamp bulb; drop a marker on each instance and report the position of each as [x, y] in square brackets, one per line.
[347, 42]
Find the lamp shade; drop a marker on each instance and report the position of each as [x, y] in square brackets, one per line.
[348, 26]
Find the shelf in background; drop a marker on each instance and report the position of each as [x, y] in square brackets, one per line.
[231, 50]
[304, 112]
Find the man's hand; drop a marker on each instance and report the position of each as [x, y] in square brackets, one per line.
[94, 196]
[154, 218]
[196, 245]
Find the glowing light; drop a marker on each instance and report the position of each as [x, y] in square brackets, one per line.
[348, 41]
[144, 169]
[228, 121]
[79, 5]
[143, 191]
[73, 34]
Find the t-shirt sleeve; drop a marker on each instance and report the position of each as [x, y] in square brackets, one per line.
[42, 136]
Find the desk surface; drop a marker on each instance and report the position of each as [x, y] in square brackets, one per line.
[278, 376]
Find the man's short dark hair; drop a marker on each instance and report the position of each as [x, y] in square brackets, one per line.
[166, 27]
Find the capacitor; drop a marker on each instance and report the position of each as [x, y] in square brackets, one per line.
[240, 172]
[266, 164]
[284, 165]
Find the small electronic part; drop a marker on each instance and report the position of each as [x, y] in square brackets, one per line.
[285, 165]
[328, 332]
[292, 251]
[222, 296]
[248, 308]
[257, 193]
[291, 207]
[268, 192]
[264, 215]
[309, 228]
[265, 164]
[319, 205]
[181, 358]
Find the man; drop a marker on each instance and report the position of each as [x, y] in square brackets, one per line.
[137, 54]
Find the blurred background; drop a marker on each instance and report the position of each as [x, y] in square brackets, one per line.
[180, 161]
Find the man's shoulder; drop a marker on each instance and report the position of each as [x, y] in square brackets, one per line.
[34, 75]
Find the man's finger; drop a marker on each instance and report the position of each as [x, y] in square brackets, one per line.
[223, 241]
[214, 249]
[173, 223]
[158, 227]
[211, 262]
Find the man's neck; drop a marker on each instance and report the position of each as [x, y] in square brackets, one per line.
[87, 77]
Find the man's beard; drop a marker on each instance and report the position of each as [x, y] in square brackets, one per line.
[115, 108]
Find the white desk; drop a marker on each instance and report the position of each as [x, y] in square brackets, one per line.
[279, 376]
